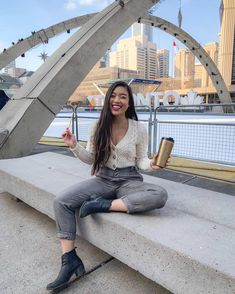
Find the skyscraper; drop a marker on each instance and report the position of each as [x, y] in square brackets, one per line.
[184, 67]
[136, 53]
[212, 50]
[162, 63]
[142, 29]
[227, 41]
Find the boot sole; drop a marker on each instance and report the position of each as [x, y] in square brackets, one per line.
[65, 285]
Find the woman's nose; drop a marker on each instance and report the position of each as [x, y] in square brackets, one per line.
[116, 98]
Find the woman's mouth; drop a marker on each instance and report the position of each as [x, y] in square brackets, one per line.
[116, 107]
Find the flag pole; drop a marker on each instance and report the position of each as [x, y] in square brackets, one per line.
[173, 63]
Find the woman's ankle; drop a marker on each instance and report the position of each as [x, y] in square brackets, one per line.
[118, 205]
[67, 245]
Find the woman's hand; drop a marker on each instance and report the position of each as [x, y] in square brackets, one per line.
[69, 138]
[154, 159]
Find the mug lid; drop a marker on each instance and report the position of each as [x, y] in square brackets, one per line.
[168, 139]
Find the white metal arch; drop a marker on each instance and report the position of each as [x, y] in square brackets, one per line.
[196, 49]
[42, 36]
[27, 116]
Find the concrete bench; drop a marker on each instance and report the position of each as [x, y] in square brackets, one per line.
[187, 247]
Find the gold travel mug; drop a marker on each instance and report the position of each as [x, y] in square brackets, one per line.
[164, 151]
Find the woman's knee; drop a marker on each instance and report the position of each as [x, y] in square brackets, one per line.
[164, 197]
[60, 199]
[69, 199]
[154, 197]
[159, 197]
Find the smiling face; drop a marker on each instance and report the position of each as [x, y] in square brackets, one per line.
[119, 101]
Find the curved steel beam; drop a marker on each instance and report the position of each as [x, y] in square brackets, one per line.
[39, 99]
[41, 36]
[44, 35]
[35, 105]
[196, 49]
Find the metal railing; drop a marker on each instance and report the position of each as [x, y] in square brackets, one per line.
[195, 139]
[198, 139]
[213, 108]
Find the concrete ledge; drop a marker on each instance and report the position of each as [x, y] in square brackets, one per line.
[30, 253]
[187, 247]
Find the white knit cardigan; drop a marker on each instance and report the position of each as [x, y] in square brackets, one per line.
[130, 151]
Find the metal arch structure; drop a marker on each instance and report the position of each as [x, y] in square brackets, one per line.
[26, 117]
[41, 36]
[44, 35]
[43, 95]
[196, 49]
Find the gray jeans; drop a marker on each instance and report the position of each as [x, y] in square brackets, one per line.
[123, 183]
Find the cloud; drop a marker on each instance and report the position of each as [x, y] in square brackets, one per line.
[87, 2]
[74, 4]
[94, 2]
[71, 4]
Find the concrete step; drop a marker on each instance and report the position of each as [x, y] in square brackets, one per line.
[187, 247]
[30, 254]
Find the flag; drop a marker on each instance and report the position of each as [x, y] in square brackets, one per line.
[92, 103]
[175, 46]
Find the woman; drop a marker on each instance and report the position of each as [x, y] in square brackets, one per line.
[116, 149]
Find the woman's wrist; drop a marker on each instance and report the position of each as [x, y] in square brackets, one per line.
[73, 146]
[153, 165]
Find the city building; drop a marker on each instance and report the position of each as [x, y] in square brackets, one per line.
[223, 54]
[227, 43]
[136, 53]
[15, 72]
[9, 84]
[198, 75]
[162, 63]
[10, 66]
[99, 75]
[184, 67]
[143, 30]
[201, 77]
[212, 50]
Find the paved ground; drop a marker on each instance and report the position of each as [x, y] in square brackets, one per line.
[30, 258]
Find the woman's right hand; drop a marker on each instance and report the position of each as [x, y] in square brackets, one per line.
[69, 138]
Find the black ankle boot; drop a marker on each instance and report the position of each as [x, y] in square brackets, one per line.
[71, 264]
[97, 205]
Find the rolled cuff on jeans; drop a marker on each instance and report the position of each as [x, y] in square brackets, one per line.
[129, 205]
[66, 236]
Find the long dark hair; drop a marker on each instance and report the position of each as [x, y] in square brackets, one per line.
[102, 137]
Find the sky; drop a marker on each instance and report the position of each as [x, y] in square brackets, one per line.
[19, 18]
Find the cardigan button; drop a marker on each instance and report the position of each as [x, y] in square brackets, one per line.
[114, 157]
[114, 166]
